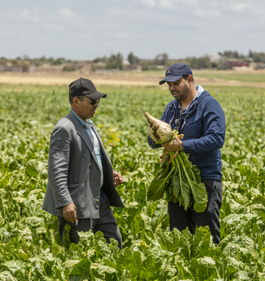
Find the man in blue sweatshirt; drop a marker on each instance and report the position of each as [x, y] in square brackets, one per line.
[197, 115]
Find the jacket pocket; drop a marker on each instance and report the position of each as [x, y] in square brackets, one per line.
[77, 193]
[73, 185]
[194, 120]
[193, 127]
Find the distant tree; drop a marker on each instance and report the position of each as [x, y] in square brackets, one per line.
[115, 61]
[132, 58]
[50, 60]
[43, 59]
[257, 57]
[144, 65]
[148, 65]
[59, 61]
[214, 64]
[98, 59]
[199, 63]
[36, 62]
[232, 55]
[161, 59]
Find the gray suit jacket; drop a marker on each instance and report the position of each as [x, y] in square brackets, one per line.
[73, 171]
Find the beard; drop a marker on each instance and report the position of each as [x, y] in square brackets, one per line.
[181, 95]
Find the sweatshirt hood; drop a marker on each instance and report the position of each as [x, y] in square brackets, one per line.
[173, 105]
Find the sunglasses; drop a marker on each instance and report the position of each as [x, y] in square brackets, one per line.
[92, 102]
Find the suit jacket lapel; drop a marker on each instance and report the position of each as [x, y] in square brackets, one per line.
[81, 131]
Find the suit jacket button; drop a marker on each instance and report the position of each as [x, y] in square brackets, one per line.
[91, 177]
[84, 155]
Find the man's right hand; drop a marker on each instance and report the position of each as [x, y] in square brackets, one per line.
[176, 144]
[69, 212]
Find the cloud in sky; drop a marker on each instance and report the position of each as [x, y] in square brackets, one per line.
[179, 28]
[167, 4]
[150, 3]
[238, 7]
[67, 13]
[25, 15]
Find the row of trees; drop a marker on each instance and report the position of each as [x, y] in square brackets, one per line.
[112, 62]
[257, 57]
[117, 61]
[35, 61]
[252, 56]
[160, 61]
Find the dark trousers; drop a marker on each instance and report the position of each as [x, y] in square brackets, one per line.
[106, 223]
[181, 219]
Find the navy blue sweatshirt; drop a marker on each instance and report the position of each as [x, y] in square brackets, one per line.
[203, 126]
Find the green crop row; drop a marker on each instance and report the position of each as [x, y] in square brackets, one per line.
[30, 248]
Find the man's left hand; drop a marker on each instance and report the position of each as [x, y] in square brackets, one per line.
[118, 178]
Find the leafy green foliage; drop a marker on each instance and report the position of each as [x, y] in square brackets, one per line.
[30, 246]
[180, 181]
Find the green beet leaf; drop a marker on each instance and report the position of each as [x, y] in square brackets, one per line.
[158, 185]
[204, 269]
[180, 181]
[156, 189]
[6, 275]
[200, 197]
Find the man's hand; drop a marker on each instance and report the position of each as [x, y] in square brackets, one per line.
[118, 178]
[176, 144]
[69, 212]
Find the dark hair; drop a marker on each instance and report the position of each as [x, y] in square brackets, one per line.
[72, 97]
[186, 77]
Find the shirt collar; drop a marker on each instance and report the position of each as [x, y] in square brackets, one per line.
[80, 120]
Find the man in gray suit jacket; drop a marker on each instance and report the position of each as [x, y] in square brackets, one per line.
[81, 181]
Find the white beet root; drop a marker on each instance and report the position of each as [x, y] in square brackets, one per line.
[160, 131]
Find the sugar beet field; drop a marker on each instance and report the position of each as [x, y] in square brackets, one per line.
[30, 248]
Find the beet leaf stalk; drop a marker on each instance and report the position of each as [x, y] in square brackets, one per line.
[186, 187]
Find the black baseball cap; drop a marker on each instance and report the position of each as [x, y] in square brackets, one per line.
[175, 72]
[84, 87]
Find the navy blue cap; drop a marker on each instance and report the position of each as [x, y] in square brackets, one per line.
[175, 72]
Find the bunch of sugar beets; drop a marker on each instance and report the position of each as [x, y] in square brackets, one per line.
[175, 177]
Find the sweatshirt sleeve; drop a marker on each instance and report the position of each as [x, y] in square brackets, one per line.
[152, 144]
[214, 130]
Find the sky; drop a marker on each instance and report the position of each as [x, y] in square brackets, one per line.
[86, 29]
